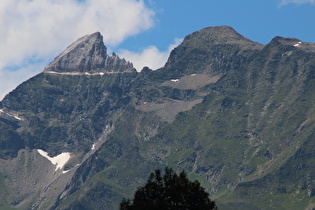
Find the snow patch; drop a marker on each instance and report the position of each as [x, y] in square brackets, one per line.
[11, 115]
[16, 117]
[174, 80]
[297, 44]
[59, 161]
[80, 73]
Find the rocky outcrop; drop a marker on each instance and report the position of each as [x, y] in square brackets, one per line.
[218, 35]
[209, 50]
[89, 54]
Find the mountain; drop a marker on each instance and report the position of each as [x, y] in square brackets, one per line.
[88, 54]
[234, 114]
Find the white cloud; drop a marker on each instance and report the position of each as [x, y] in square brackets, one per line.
[43, 28]
[10, 79]
[150, 56]
[284, 2]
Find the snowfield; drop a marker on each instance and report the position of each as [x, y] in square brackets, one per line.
[59, 160]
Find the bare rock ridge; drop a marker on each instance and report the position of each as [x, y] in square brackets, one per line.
[88, 54]
[207, 48]
[219, 35]
[292, 43]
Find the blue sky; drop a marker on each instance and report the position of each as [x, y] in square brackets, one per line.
[33, 32]
[257, 20]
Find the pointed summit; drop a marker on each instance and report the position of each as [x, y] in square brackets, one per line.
[88, 54]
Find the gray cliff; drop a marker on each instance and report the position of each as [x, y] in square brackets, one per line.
[88, 54]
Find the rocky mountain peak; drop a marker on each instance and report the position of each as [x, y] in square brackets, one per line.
[88, 54]
[218, 35]
[210, 44]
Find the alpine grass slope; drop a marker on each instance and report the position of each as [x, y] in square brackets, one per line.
[236, 115]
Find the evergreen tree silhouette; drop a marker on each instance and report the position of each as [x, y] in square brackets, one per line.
[170, 192]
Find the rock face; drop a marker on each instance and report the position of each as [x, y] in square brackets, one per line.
[205, 50]
[218, 35]
[89, 54]
[236, 115]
